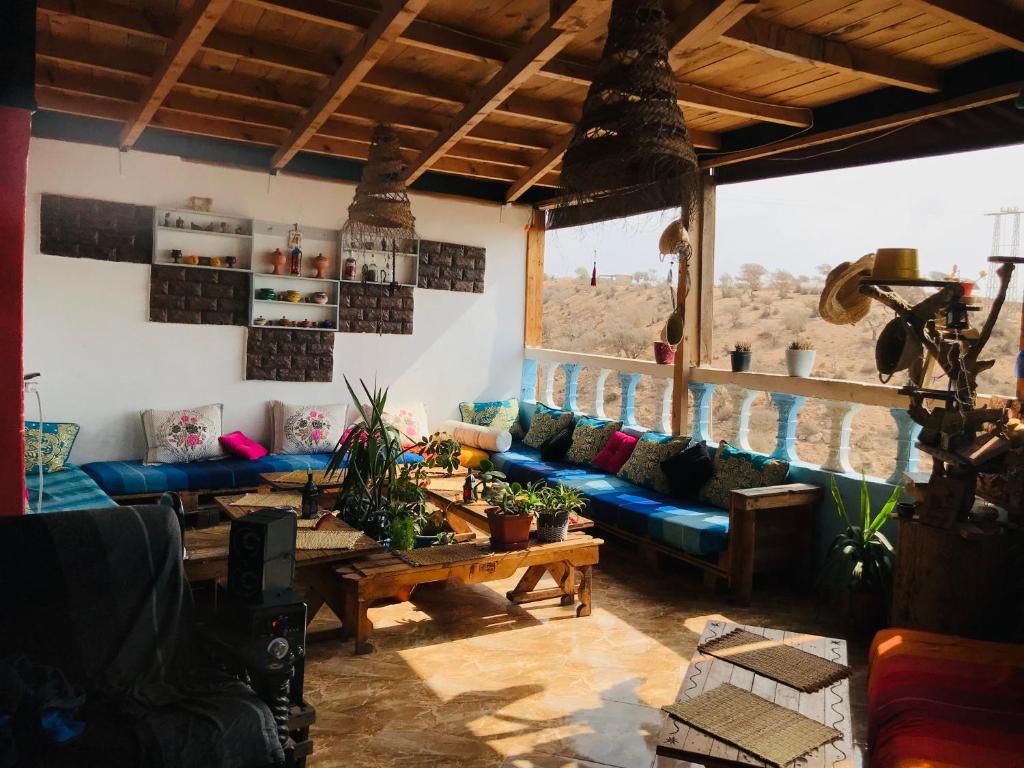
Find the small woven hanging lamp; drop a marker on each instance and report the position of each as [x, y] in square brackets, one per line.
[630, 153]
[381, 208]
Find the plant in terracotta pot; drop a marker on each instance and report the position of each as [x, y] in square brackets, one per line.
[800, 358]
[857, 574]
[511, 519]
[559, 505]
[740, 356]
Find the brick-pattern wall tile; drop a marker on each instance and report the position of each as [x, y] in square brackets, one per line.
[206, 296]
[95, 229]
[284, 354]
[451, 267]
[374, 308]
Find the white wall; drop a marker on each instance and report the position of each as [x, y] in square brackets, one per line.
[102, 362]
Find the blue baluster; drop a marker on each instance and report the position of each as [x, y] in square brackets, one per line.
[701, 427]
[907, 455]
[572, 376]
[528, 385]
[627, 383]
[788, 407]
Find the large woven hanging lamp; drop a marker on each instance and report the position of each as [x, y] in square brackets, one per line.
[630, 152]
[381, 208]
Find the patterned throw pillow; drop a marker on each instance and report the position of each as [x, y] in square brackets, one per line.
[736, 470]
[58, 437]
[546, 421]
[502, 414]
[307, 428]
[409, 420]
[183, 435]
[589, 437]
[643, 467]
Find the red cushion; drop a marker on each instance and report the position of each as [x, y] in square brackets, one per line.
[615, 453]
[239, 445]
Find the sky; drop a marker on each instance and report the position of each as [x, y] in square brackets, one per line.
[936, 205]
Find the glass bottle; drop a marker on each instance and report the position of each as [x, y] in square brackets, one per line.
[310, 498]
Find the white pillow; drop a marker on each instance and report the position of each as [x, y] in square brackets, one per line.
[183, 435]
[307, 428]
[409, 420]
[476, 436]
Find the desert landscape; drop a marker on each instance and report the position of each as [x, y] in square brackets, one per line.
[623, 315]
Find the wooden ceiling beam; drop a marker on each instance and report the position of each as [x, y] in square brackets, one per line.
[538, 170]
[795, 45]
[702, 22]
[991, 19]
[568, 18]
[393, 18]
[200, 20]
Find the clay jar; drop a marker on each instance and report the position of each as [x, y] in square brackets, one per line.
[279, 260]
[320, 263]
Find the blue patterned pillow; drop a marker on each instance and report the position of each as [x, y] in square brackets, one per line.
[737, 470]
[58, 438]
[546, 422]
[643, 467]
[500, 414]
[589, 438]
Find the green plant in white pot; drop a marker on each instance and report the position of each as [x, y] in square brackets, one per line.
[800, 358]
[558, 505]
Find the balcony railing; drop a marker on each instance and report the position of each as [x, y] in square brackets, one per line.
[788, 395]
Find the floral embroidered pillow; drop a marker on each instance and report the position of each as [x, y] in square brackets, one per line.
[55, 448]
[501, 414]
[409, 420]
[738, 470]
[183, 435]
[643, 467]
[302, 429]
[589, 437]
[546, 422]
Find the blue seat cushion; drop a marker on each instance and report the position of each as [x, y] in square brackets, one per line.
[122, 478]
[696, 528]
[69, 489]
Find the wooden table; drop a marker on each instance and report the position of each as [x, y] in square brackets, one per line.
[315, 576]
[830, 705]
[446, 493]
[375, 577]
[281, 481]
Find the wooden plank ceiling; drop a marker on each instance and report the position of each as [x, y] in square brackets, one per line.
[482, 88]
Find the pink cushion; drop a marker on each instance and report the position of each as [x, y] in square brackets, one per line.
[239, 445]
[615, 453]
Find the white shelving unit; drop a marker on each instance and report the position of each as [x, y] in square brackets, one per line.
[230, 238]
[404, 261]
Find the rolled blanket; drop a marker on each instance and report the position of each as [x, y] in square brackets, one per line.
[487, 438]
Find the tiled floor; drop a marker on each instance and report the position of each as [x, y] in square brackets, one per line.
[462, 678]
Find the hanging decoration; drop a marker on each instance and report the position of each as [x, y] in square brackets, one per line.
[381, 207]
[631, 152]
[593, 275]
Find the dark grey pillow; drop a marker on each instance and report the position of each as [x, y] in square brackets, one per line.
[688, 470]
[555, 447]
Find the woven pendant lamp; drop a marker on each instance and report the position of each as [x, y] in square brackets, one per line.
[630, 152]
[381, 208]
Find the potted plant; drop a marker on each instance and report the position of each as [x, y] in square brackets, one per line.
[488, 480]
[510, 520]
[740, 356]
[558, 505]
[857, 572]
[439, 451]
[800, 358]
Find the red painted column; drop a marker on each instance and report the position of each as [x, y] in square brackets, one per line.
[15, 128]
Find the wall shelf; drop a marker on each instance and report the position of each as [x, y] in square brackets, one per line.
[306, 304]
[190, 231]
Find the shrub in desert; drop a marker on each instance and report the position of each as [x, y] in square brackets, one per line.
[794, 320]
[751, 277]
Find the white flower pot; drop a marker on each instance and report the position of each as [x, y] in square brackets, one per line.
[799, 362]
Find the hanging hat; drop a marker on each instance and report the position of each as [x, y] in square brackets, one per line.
[674, 238]
[896, 348]
[841, 301]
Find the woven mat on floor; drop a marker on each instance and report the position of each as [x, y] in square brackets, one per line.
[755, 725]
[773, 658]
[293, 500]
[306, 538]
[298, 477]
[447, 553]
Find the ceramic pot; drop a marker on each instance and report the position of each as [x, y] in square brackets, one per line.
[191, 260]
[318, 298]
[799, 362]
[176, 256]
[740, 360]
[664, 353]
[327, 325]
[231, 261]
[216, 261]
[968, 288]
[307, 324]
[205, 261]
[320, 264]
[260, 321]
[508, 532]
[266, 294]
[279, 260]
[292, 296]
[552, 527]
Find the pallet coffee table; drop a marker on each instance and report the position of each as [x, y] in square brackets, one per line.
[830, 705]
[376, 577]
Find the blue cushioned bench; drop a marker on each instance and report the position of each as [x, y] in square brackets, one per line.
[720, 542]
[69, 489]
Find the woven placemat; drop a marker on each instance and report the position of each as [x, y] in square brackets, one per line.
[446, 553]
[306, 538]
[755, 725]
[773, 658]
[298, 477]
[286, 499]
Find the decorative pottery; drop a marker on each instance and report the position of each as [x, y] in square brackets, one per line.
[191, 260]
[664, 353]
[307, 324]
[509, 532]
[261, 321]
[278, 259]
[328, 324]
[176, 256]
[205, 261]
[231, 261]
[968, 288]
[320, 264]
[180, 223]
[292, 296]
[369, 274]
[216, 261]
[350, 269]
[266, 294]
[740, 360]
[284, 322]
[799, 362]
[317, 298]
[167, 219]
[895, 264]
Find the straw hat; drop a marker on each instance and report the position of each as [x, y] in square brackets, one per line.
[673, 238]
[841, 301]
[896, 348]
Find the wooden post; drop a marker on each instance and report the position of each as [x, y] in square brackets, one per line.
[534, 322]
